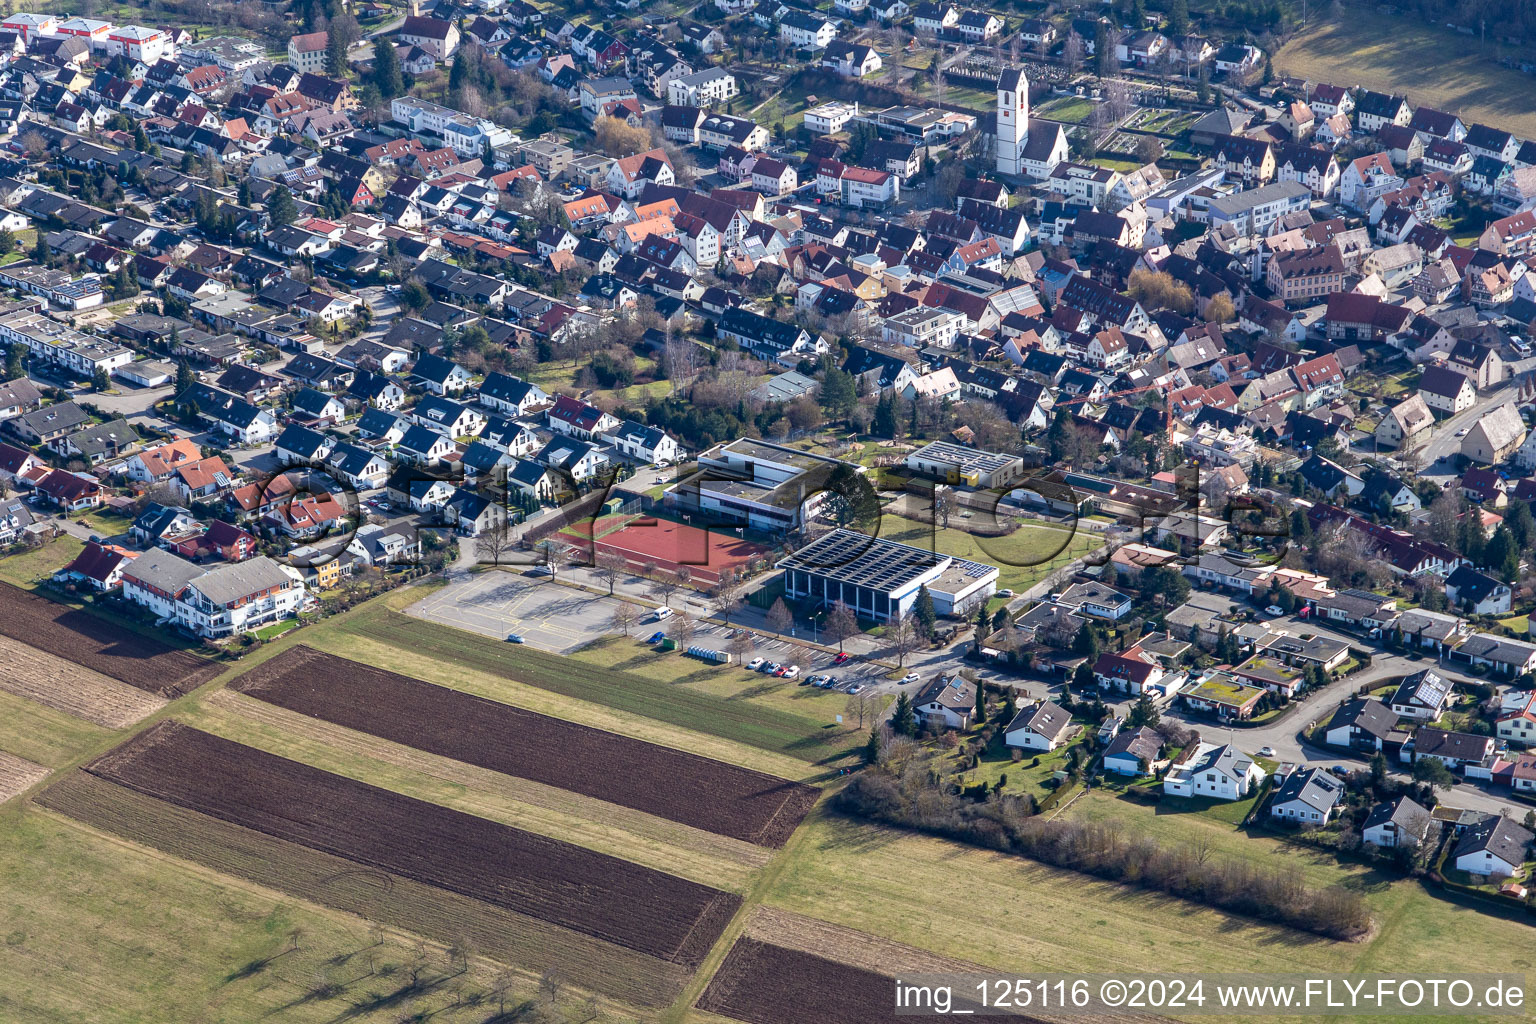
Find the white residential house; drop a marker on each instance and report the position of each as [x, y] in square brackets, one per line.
[1042, 726]
[1214, 772]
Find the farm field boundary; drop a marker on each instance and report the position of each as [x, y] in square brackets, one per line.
[18, 775]
[604, 897]
[85, 639]
[388, 899]
[764, 728]
[73, 689]
[709, 795]
[595, 824]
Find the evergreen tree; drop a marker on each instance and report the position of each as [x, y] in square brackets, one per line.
[140, 140]
[1379, 769]
[15, 365]
[336, 55]
[280, 206]
[884, 424]
[1143, 712]
[1502, 555]
[41, 252]
[923, 612]
[872, 746]
[837, 393]
[1518, 518]
[1178, 18]
[7, 241]
[1010, 706]
[981, 703]
[1103, 54]
[99, 380]
[904, 718]
[184, 377]
[1087, 642]
[244, 198]
[458, 72]
[387, 77]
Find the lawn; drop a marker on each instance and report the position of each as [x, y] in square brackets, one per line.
[1072, 109]
[1433, 66]
[1024, 775]
[1024, 556]
[273, 630]
[26, 568]
[97, 929]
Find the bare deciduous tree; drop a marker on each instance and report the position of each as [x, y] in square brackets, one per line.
[625, 615]
[681, 629]
[665, 585]
[840, 625]
[779, 617]
[610, 568]
[903, 635]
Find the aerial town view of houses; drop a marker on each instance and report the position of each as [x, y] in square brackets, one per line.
[695, 511]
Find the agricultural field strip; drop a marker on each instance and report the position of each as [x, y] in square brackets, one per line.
[639, 908]
[99, 645]
[587, 710]
[709, 795]
[762, 981]
[301, 872]
[560, 814]
[737, 721]
[17, 775]
[73, 689]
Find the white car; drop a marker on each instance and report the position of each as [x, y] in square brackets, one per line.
[1266, 751]
[663, 613]
[1462, 432]
[755, 664]
[910, 677]
[1005, 593]
[1274, 609]
[792, 671]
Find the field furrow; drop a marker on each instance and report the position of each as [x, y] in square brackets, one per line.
[17, 775]
[71, 688]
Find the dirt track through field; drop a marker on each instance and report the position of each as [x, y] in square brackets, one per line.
[709, 795]
[126, 655]
[392, 900]
[18, 775]
[607, 898]
[71, 688]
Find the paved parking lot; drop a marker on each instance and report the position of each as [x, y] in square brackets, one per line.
[547, 615]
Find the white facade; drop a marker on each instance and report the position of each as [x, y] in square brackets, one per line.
[1012, 122]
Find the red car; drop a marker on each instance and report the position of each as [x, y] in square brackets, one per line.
[842, 656]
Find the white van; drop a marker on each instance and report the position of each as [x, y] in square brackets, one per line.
[663, 613]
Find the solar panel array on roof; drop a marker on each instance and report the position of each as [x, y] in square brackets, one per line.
[860, 560]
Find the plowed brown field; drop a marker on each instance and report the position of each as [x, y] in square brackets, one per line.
[706, 794]
[99, 645]
[71, 688]
[601, 896]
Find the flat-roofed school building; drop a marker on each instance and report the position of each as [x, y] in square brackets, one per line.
[879, 579]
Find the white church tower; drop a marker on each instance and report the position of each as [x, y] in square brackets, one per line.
[1012, 121]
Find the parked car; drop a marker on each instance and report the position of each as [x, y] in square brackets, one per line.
[540, 570]
[910, 677]
[842, 656]
[778, 670]
[1341, 770]
[772, 667]
[1005, 592]
[1274, 609]
[1266, 751]
[828, 683]
[812, 680]
[856, 688]
[791, 671]
[656, 637]
[755, 664]
[514, 638]
[663, 613]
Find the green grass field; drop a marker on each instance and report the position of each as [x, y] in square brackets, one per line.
[26, 568]
[1014, 914]
[42, 734]
[1024, 556]
[98, 929]
[1431, 65]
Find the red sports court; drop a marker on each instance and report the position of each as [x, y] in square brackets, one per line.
[645, 540]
